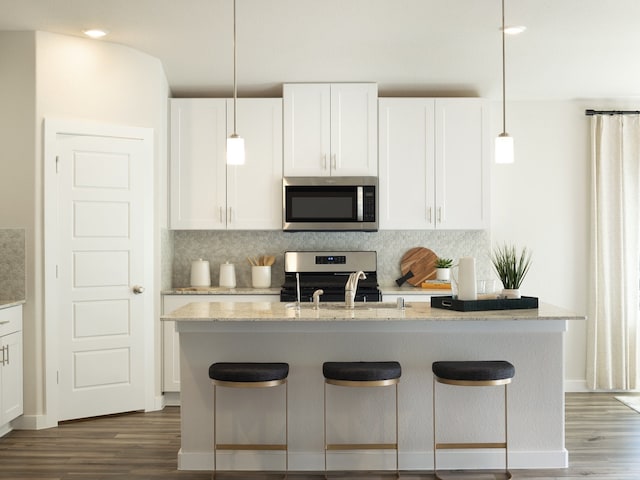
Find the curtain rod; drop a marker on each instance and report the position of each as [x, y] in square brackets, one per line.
[611, 112]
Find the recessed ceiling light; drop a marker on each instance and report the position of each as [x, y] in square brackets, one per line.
[514, 29]
[95, 32]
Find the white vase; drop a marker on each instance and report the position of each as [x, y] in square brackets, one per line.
[510, 293]
[443, 274]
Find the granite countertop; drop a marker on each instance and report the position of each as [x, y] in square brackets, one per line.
[10, 303]
[388, 290]
[279, 311]
[221, 291]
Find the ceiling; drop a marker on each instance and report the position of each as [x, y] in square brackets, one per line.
[572, 49]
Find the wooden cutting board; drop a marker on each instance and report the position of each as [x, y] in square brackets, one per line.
[421, 263]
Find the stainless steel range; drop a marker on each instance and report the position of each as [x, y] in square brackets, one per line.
[329, 271]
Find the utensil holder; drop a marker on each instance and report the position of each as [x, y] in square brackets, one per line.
[261, 276]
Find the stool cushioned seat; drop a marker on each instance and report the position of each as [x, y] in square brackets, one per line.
[248, 372]
[361, 371]
[474, 371]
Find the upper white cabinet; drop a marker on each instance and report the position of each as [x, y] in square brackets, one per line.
[206, 194]
[433, 164]
[330, 129]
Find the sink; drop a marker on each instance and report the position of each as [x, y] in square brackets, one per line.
[357, 306]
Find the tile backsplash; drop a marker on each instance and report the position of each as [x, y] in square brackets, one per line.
[235, 246]
[12, 264]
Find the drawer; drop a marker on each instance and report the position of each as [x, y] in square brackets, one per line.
[10, 320]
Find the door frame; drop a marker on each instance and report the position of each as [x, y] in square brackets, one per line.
[51, 234]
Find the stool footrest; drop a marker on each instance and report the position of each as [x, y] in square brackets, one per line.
[251, 446]
[362, 446]
[456, 446]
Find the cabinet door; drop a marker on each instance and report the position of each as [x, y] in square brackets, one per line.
[407, 172]
[254, 190]
[354, 135]
[198, 166]
[462, 175]
[11, 396]
[307, 141]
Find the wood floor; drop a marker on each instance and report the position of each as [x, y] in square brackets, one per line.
[602, 436]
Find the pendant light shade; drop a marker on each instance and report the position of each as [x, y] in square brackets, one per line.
[504, 152]
[235, 150]
[235, 143]
[504, 148]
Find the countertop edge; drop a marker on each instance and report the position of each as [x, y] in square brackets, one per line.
[11, 303]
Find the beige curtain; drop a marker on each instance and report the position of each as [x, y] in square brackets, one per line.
[612, 360]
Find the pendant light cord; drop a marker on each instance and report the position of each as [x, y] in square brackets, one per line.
[235, 82]
[504, 95]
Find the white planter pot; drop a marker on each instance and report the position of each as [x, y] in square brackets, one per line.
[443, 274]
[510, 293]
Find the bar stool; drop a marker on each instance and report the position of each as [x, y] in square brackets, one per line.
[472, 374]
[249, 375]
[361, 374]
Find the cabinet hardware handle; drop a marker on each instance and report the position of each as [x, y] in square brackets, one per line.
[7, 347]
[4, 322]
[439, 214]
[324, 161]
[3, 356]
[230, 216]
[334, 162]
[429, 215]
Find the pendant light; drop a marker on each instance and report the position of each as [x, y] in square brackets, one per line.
[235, 143]
[504, 141]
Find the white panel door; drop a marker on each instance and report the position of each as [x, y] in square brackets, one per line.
[100, 318]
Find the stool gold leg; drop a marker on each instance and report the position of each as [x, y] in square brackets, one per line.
[324, 422]
[215, 417]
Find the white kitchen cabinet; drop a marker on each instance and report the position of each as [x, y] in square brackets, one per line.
[170, 339]
[206, 194]
[11, 367]
[330, 129]
[434, 171]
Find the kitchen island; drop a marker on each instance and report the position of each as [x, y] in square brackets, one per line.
[417, 336]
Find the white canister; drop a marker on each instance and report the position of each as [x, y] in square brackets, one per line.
[200, 274]
[467, 279]
[228, 275]
[261, 276]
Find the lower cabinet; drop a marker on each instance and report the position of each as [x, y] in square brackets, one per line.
[170, 344]
[11, 394]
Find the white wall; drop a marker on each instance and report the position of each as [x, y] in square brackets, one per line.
[56, 76]
[17, 163]
[542, 202]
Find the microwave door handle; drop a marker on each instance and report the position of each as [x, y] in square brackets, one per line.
[360, 203]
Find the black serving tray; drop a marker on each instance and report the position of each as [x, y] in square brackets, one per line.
[450, 303]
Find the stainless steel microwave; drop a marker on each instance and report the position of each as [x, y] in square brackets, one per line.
[330, 204]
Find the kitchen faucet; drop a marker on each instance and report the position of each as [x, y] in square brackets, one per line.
[351, 287]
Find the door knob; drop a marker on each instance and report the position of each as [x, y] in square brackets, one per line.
[138, 289]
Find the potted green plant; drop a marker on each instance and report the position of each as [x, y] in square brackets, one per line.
[511, 268]
[443, 268]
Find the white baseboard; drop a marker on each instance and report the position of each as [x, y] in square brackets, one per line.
[409, 461]
[575, 386]
[33, 422]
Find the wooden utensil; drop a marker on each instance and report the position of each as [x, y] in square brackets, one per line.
[417, 265]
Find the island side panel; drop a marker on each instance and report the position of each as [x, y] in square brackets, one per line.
[536, 398]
